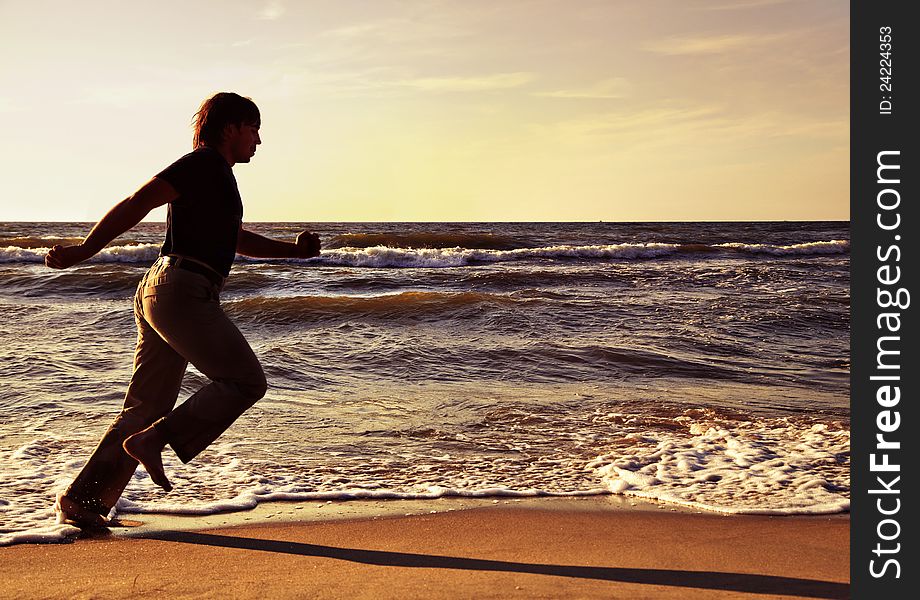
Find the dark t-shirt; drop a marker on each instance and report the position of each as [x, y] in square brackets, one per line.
[204, 221]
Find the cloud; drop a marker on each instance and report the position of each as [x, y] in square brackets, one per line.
[681, 128]
[382, 28]
[388, 82]
[396, 30]
[713, 44]
[499, 81]
[272, 11]
[639, 123]
[616, 87]
[744, 4]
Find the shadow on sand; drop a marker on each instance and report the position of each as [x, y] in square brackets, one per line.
[710, 580]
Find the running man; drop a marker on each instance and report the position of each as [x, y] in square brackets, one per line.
[177, 310]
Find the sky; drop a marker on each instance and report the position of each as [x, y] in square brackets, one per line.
[438, 110]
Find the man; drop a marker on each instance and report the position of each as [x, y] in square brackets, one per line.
[177, 310]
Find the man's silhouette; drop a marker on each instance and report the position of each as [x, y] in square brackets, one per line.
[177, 310]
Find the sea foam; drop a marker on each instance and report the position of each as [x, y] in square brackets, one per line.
[382, 256]
[771, 466]
[831, 247]
[123, 254]
[765, 467]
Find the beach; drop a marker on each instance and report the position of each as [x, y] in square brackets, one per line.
[537, 548]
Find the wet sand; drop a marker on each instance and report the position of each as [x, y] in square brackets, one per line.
[539, 548]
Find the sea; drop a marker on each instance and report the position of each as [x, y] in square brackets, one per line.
[703, 365]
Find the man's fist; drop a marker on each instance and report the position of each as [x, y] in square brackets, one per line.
[61, 257]
[308, 244]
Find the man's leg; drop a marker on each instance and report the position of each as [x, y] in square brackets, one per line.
[154, 387]
[188, 316]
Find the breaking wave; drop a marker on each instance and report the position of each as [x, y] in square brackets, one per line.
[487, 241]
[382, 256]
[122, 254]
[434, 257]
[391, 306]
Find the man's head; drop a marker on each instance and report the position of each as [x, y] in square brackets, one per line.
[228, 120]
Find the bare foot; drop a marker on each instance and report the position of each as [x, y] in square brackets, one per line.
[72, 512]
[146, 448]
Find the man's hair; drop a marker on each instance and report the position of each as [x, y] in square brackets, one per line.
[218, 111]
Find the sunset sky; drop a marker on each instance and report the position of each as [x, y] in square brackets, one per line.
[426, 110]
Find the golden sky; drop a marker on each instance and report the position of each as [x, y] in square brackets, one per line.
[438, 110]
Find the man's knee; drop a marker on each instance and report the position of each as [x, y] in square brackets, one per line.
[254, 388]
[133, 419]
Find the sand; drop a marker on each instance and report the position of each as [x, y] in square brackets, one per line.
[588, 548]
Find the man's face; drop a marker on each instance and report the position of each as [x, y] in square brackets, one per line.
[242, 141]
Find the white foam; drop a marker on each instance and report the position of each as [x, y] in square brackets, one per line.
[250, 499]
[384, 256]
[756, 467]
[39, 535]
[112, 254]
[831, 247]
[761, 466]
[32, 480]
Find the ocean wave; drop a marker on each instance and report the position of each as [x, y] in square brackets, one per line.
[382, 256]
[390, 306]
[810, 248]
[107, 279]
[97, 280]
[487, 241]
[131, 253]
[38, 241]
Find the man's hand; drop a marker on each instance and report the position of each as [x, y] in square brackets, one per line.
[308, 244]
[61, 257]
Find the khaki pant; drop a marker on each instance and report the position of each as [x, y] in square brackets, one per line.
[179, 321]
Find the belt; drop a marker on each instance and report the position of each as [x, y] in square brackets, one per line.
[181, 262]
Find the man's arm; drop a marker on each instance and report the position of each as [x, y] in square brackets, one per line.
[122, 217]
[258, 246]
